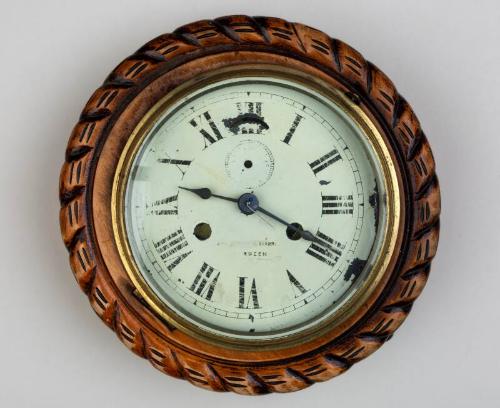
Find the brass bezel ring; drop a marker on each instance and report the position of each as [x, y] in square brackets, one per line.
[374, 138]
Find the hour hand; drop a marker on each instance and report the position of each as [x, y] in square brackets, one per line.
[206, 193]
[200, 192]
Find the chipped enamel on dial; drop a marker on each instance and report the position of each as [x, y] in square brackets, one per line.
[248, 276]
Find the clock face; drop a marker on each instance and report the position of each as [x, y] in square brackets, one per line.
[255, 208]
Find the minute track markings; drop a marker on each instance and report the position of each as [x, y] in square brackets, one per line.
[276, 311]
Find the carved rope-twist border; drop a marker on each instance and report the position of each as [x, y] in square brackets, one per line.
[313, 46]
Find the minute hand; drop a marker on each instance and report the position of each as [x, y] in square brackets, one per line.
[307, 235]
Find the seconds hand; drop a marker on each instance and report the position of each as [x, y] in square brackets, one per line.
[205, 193]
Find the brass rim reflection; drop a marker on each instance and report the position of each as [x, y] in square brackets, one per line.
[390, 233]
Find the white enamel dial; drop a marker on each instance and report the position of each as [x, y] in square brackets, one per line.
[236, 269]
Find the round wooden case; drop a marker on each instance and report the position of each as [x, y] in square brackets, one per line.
[190, 54]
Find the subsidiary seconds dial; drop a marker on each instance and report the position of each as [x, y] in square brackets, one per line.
[254, 208]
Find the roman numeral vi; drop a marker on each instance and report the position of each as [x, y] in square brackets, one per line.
[251, 301]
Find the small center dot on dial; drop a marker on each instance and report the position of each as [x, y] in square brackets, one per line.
[248, 164]
[202, 231]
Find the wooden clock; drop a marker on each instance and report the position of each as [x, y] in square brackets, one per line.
[249, 204]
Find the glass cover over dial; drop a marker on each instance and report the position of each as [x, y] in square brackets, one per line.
[254, 208]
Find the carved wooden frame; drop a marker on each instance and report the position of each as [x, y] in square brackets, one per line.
[114, 110]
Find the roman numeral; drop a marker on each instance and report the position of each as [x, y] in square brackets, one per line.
[324, 161]
[176, 162]
[297, 287]
[337, 204]
[177, 261]
[165, 206]
[249, 107]
[171, 249]
[327, 250]
[251, 113]
[204, 283]
[210, 136]
[249, 119]
[292, 129]
[244, 300]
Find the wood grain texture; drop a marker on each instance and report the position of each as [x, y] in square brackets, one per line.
[154, 340]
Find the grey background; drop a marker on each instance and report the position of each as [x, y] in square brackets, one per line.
[444, 57]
